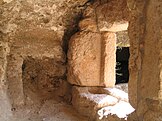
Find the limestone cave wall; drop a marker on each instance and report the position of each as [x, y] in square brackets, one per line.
[32, 40]
[145, 59]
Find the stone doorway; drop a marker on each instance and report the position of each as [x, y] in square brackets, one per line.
[122, 63]
[92, 62]
[122, 57]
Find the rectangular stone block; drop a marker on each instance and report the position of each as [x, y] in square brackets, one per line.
[108, 59]
[84, 59]
[92, 59]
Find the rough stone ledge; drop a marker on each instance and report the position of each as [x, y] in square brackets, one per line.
[93, 101]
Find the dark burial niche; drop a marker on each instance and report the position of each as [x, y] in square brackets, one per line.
[122, 62]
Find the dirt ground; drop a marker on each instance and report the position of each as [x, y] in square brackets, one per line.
[49, 110]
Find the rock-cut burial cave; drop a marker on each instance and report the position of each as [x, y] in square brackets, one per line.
[80, 60]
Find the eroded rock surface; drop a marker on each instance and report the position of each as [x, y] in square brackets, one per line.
[31, 43]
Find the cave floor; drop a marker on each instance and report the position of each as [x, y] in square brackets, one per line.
[49, 110]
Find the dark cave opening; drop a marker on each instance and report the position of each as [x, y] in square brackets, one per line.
[122, 64]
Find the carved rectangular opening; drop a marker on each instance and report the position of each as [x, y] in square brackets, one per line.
[41, 78]
[122, 57]
[122, 63]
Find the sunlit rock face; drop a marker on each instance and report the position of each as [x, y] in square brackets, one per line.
[122, 39]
